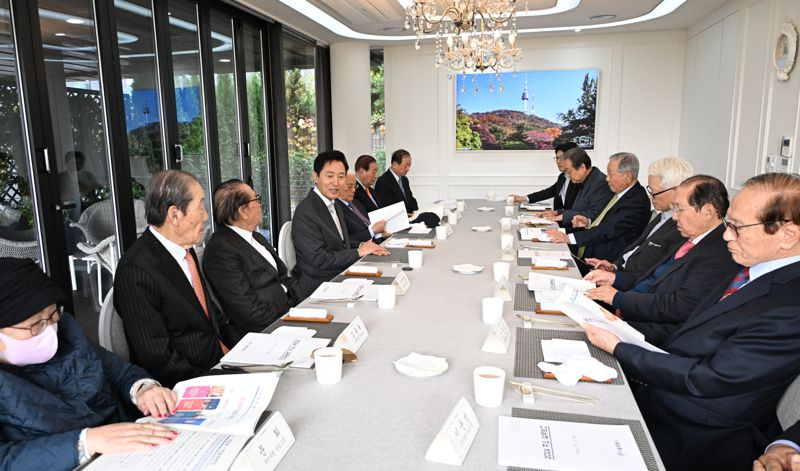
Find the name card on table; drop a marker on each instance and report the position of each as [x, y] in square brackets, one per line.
[501, 290]
[456, 436]
[450, 230]
[499, 338]
[401, 283]
[267, 447]
[353, 336]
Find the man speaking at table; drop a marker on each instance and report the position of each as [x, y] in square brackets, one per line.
[710, 403]
[319, 231]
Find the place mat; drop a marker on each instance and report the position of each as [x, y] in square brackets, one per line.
[527, 261]
[524, 300]
[330, 330]
[637, 429]
[378, 280]
[396, 255]
[405, 235]
[529, 352]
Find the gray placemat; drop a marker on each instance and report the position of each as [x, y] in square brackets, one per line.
[637, 429]
[527, 261]
[396, 255]
[405, 235]
[325, 330]
[524, 299]
[529, 352]
[376, 280]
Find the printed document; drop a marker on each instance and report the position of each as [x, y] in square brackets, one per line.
[395, 216]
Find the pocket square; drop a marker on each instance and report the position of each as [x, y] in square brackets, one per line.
[653, 244]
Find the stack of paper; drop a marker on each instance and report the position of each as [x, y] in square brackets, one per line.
[365, 269]
[547, 262]
[329, 291]
[395, 216]
[541, 282]
[559, 350]
[267, 349]
[533, 207]
[535, 221]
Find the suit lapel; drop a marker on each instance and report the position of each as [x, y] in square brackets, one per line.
[340, 209]
[242, 245]
[695, 252]
[325, 215]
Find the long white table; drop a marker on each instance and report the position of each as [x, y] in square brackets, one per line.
[378, 418]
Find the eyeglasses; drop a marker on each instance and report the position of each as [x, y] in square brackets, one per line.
[257, 198]
[677, 209]
[735, 229]
[350, 187]
[39, 326]
[654, 194]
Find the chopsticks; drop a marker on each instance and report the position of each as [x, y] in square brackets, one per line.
[528, 389]
[546, 321]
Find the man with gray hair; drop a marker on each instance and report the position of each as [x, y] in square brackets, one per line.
[174, 329]
[620, 222]
[661, 235]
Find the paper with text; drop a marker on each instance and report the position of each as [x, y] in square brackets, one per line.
[353, 336]
[542, 282]
[499, 338]
[395, 216]
[266, 349]
[456, 436]
[267, 447]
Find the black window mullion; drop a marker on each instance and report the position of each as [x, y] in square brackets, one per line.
[278, 142]
[116, 135]
[322, 71]
[209, 97]
[240, 79]
[166, 83]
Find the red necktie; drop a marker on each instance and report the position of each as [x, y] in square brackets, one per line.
[197, 285]
[741, 278]
[684, 249]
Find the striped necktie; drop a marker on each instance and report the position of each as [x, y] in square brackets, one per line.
[598, 220]
[738, 281]
[358, 213]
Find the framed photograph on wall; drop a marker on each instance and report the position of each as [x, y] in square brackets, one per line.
[534, 110]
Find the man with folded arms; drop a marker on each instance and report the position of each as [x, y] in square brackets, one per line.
[664, 296]
[562, 191]
[251, 282]
[355, 216]
[366, 168]
[783, 454]
[661, 234]
[710, 402]
[174, 329]
[319, 231]
[622, 219]
[593, 194]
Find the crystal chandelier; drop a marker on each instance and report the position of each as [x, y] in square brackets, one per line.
[475, 40]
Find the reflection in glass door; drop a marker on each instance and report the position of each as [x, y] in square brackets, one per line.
[225, 91]
[17, 215]
[75, 103]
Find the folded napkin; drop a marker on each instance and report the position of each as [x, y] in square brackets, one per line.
[574, 368]
[308, 312]
[362, 269]
[395, 243]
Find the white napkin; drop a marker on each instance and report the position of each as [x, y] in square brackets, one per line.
[467, 268]
[419, 228]
[294, 331]
[308, 312]
[571, 371]
[481, 228]
[418, 365]
[421, 242]
[395, 243]
[485, 209]
[362, 269]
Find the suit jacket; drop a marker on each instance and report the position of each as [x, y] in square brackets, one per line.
[592, 197]
[321, 253]
[554, 192]
[362, 197]
[649, 251]
[792, 434]
[621, 225]
[168, 332]
[247, 286]
[681, 287]
[387, 192]
[357, 229]
[710, 403]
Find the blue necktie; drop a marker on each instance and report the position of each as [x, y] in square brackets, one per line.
[358, 213]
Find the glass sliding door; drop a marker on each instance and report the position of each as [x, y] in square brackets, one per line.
[225, 91]
[75, 104]
[17, 216]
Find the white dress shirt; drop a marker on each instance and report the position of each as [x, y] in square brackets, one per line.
[331, 209]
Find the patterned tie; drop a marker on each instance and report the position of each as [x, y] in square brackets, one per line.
[741, 278]
[597, 222]
[197, 285]
[332, 210]
[355, 211]
[402, 190]
[684, 249]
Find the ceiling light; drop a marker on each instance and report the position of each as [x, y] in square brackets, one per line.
[602, 17]
[60, 35]
[578, 30]
[75, 21]
[225, 60]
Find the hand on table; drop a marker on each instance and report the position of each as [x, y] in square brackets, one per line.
[580, 221]
[601, 264]
[119, 438]
[520, 198]
[601, 338]
[600, 277]
[370, 247]
[778, 458]
[156, 401]
[558, 236]
[602, 293]
[549, 214]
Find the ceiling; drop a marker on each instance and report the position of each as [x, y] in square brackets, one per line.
[381, 21]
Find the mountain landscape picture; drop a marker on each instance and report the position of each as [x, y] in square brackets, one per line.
[525, 111]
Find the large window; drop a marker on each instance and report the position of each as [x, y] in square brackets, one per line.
[225, 87]
[301, 114]
[378, 116]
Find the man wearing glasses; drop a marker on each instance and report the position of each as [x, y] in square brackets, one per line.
[562, 191]
[250, 281]
[710, 402]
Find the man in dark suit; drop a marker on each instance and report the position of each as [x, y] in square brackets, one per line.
[593, 194]
[661, 235]
[783, 454]
[319, 231]
[663, 297]
[366, 173]
[355, 216]
[174, 329]
[622, 219]
[251, 282]
[562, 191]
[710, 403]
[393, 187]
